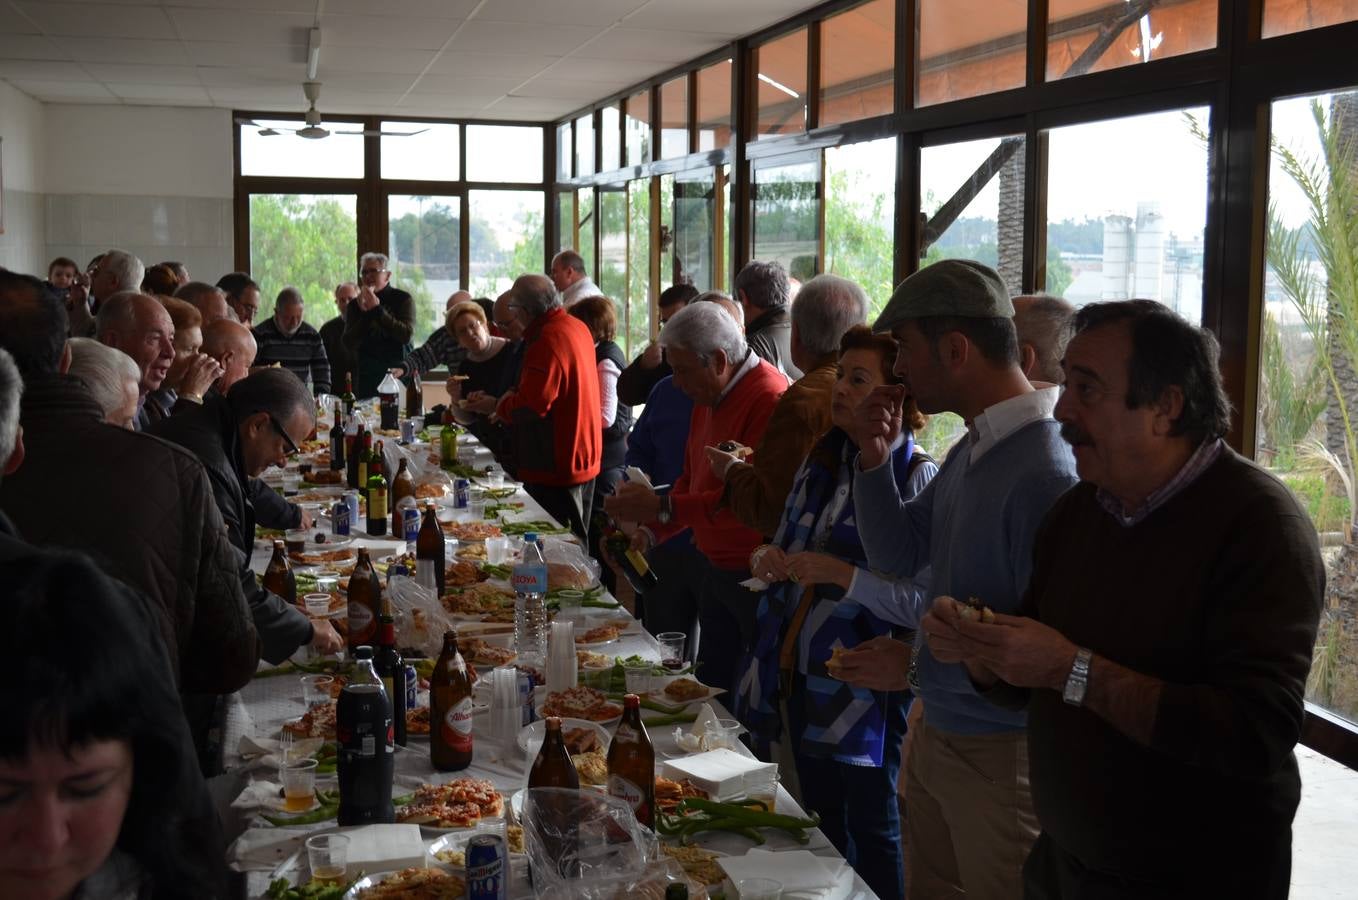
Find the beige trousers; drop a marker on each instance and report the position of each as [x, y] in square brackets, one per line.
[969, 815]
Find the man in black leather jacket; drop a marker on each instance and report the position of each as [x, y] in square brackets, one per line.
[765, 294]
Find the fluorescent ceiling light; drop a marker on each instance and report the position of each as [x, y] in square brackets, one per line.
[313, 54]
[782, 87]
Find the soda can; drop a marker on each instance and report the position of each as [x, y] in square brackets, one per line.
[526, 698]
[407, 431]
[397, 569]
[462, 493]
[486, 862]
[351, 497]
[412, 686]
[410, 519]
[339, 517]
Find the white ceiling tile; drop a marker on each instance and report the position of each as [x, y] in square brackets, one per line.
[220, 53]
[345, 59]
[436, 9]
[14, 22]
[645, 45]
[259, 97]
[136, 74]
[376, 82]
[559, 12]
[246, 76]
[285, 6]
[41, 70]
[374, 34]
[95, 20]
[32, 46]
[493, 37]
[456, 84]
[723, 16]
[440, 105]
[63, 90]
[127, 50]
[579, 68]
[529, 108]
[168, 92]
[560, 89]
[230, 26]
[489, 65]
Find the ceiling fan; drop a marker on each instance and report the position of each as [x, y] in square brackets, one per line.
[313, 129]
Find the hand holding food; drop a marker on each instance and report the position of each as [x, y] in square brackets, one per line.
[877, 423]
[324, 638]
[879, 664]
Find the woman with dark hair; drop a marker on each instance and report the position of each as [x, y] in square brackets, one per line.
[846, 739]
[100, 795]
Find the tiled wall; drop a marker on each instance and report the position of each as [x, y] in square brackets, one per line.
[196, 231]
[21, 246]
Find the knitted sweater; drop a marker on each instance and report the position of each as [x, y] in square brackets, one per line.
[740, 416]
[975, 525]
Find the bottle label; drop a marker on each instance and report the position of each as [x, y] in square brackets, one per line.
[625, 790]
[412, 524]
[457, 726]
[361, 623]
[530, 579]
[377, 503]
[638, 562]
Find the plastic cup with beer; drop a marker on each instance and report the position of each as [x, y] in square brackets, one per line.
[299, 784]
[328, 857]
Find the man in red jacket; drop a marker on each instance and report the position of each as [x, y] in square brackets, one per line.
[734, 392]
[553, 412]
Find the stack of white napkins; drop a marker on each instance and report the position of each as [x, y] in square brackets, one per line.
[382, 848]
[724, 774]
[803, 875]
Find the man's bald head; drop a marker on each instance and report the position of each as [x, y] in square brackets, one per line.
[232, 345]
[455, 298]
[1042, 322]
[140, 326]
[505, 317]
[209, 300]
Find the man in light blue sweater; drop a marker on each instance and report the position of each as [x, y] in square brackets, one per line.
[968, 805]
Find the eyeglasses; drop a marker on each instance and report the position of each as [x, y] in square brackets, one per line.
[370, 271]
[288, 443]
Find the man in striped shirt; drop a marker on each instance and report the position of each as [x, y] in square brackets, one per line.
[287, 340]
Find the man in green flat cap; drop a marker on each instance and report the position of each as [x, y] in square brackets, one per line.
[968, 807]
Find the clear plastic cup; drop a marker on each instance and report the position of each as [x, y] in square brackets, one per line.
[316, 689]
[497, 550]
[328, 857]
[672, 645]
[317, 605]
[758, 889]
[638, 679]
[724, 735]
[495, 477]
[299, 784]
[327, 582]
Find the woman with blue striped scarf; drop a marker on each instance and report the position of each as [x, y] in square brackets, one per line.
[846, 739]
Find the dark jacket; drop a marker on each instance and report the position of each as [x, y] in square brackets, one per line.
[615, 435]
[378, 338]
[144, 509]
[770, 337]
[210, 433]
[636, 382]
[340, 359]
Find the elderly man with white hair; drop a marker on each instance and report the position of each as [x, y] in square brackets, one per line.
[111, 376]
[139, 325]
[114, 271]
[734, 394]
[377, 325]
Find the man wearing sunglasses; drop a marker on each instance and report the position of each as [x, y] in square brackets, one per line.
[377, 325]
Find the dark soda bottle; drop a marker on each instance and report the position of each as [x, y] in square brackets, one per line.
[391, 668]
[366, 755]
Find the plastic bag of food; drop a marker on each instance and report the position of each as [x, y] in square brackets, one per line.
[568, 566]
[420, 617]
[582, 844]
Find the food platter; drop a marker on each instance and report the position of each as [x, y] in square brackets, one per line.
[369, 887]
[531, 735]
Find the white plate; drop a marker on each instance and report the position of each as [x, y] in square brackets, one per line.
[658, 693]
[532, 734]
[537, 706]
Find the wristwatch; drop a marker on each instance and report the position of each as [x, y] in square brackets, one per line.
[666, 510]
[1077, 682]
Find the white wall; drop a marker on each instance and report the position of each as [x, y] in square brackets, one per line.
[152, 180]
[22, 154]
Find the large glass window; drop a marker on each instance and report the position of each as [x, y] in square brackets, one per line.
[565, 223]
[584, 214]
[666, 231]
[638, 262]
[694, 206]
[506, 238]
[1126, 208]
[273, 149]
[780, 97]
[860, 196]
[584, 145]
[674, 118]
[610, 133]
[504, 153]
[1091, 37]
[964, 52]
[306, 241]
[428, 151]
[787, 216]
[638, 128]
[727, 273]
[425, 250]
[857, 63]
[1288, 16]
[613, 256]
[1307, 425]
[564, 159]
[714, 106]
[972, 203]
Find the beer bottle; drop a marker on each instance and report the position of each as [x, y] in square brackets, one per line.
[377, 496]
[450, 709]
[365, 761]
[278, 577]
[364, 461]
[337, 441]
[354, 447]
[414, 395]
[403, 485]
[631, 763]
[391, 668]
[347, 398]
[365, 601]
[553, 766]
[429, 546]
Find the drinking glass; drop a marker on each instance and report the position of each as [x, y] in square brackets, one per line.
[495, 477]
[299, 784]
[497, 550]
[671, 648]
[317, 605]
[316, 689]
[328, 857]
[638, 679]
[723, 736]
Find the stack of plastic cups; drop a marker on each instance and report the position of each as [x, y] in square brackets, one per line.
[561, 659]
[505, 710]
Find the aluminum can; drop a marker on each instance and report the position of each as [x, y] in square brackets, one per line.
[462, 493]
[339, 518]
[412, 686]
[351, 497]
[486, 867]
[526, 698]
[410, 520]
[407, 431]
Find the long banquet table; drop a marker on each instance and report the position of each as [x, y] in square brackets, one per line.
[264, 852]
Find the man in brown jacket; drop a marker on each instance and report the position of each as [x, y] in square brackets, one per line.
[141, 507]
[826, 308]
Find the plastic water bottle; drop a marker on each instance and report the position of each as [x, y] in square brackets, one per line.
[529, 579]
